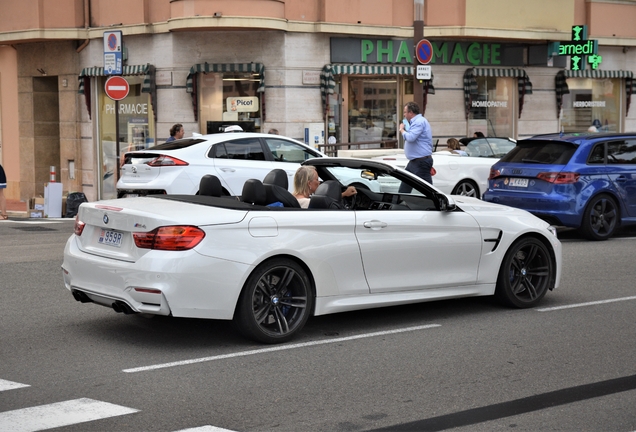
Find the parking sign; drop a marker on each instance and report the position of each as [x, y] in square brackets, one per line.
[113, 53]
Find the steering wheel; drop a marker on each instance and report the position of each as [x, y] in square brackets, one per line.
[349, 202]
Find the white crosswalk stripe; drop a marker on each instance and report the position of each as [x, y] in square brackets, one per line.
[67, 413]
[59, 414]
[10, 385]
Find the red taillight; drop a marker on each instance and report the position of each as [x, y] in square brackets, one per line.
[166, 161]
[79, 226]
[494, 173]
[173, 238]
[559, 177]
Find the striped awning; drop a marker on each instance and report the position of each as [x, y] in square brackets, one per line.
[524, 86]
[328, 83]
[126, 70]
[561, 86]
[256, 68]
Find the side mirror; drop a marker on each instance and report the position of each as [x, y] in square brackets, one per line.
[446, 204]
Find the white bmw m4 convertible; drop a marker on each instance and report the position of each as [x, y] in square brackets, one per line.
[269, 265]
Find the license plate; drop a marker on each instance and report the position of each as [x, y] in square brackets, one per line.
[131, 195]
[110, 238]
[519, 182]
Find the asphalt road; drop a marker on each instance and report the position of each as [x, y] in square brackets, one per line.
[465, 365]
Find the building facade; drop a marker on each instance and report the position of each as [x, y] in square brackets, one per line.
[316, 70]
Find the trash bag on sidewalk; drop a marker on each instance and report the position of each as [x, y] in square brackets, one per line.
[73, 201]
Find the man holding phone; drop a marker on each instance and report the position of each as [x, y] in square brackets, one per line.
[418, 144]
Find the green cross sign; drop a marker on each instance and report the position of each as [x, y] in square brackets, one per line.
[581, 50]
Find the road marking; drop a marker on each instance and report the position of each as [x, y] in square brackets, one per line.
[205, 429]
[585, 304]
[10, 385]
[59, 414]
[277, 348]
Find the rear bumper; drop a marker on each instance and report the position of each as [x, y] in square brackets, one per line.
[554, 208]
[182, 284]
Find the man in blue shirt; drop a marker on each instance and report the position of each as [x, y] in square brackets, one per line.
[418, 144]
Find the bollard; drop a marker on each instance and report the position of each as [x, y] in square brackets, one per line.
[52, 174]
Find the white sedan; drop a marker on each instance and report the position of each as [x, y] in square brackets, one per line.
[269, 268]
[177, 167]
[462, 175]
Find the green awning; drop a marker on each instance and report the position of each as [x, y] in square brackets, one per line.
[256, 68]
[126, 70]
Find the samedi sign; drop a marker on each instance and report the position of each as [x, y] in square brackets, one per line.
[381, 51]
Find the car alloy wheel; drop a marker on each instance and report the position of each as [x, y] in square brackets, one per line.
[600, 218]
[276, 302]
[526, 274]
[466, 188]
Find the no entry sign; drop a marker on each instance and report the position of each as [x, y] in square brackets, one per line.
[117, 88]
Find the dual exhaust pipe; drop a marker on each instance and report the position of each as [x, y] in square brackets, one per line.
[118, 306]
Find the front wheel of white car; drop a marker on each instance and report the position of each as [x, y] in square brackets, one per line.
[275, 303]
[526, 274]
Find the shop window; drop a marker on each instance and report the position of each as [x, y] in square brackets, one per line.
[229, 98]
[136, 131]
[492, 109]
[372, 109]
[592, 102]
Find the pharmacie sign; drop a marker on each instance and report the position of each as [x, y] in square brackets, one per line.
[400, 51]
[580, 50]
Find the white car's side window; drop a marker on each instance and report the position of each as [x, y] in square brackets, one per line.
[243, 149]
[286, 151]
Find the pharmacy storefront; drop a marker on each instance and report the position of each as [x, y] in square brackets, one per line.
[369, 80]
[125, 125]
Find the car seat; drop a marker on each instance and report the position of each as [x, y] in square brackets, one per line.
[327, 196]
[276, 185]
[254, 192]
[210, 185]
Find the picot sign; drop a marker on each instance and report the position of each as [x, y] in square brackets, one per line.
[581, 50]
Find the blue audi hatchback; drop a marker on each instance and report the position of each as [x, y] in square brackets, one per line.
[586, 181]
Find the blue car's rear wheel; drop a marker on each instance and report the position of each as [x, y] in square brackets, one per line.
[601, 218]
[275, 303]
[526, 274]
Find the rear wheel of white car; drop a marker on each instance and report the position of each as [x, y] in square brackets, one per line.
[600, 219]
[466, 188]
[275, 302]
[526, 274]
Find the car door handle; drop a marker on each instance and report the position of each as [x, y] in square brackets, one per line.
[374, 224]
[228, 169]
[621, 178]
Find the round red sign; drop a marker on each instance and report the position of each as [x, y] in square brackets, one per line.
[424, 51]
[117, 88]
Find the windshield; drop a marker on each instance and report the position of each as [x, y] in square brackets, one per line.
[375, 181]
[489, 147]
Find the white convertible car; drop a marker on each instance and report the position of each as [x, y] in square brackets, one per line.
[463, 175]
[269, 265]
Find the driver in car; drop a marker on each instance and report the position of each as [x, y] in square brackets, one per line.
[306, 181]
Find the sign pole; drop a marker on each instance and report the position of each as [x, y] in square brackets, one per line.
[418, 88]
[117, 139]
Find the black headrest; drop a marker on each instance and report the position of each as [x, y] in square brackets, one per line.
[277, 177]
[210, 185]
[279, 194]
[254, 192]
[327, 196]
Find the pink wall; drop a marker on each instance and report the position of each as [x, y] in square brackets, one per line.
[611, 19]
[10, 123]
[445, 13]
